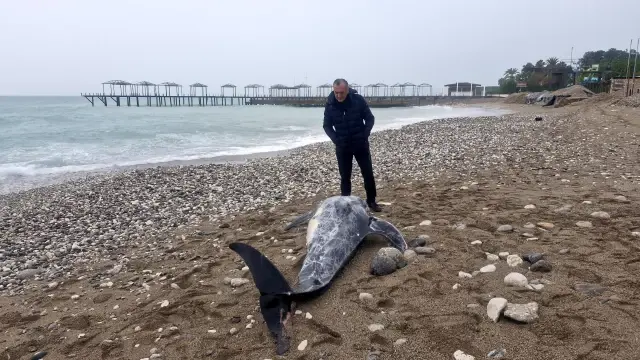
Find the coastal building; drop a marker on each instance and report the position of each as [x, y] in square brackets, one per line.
[463, 89]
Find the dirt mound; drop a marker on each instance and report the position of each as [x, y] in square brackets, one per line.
[629, 101]
[517, 98]
[574, 91]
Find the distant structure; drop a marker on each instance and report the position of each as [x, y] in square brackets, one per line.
[463, 89]
[171, 94]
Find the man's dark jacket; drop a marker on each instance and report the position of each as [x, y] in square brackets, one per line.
[347, 119]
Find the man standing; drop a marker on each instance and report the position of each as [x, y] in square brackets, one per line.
[348, 122]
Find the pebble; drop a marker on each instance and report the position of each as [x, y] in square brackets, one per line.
[497, 354]
[426, 223]
[376, 327]
[236, 282]
[488, 268]
[417, 242]
[308, 316]
[164, 303]
[460, 355]
[600, 215]
[365, 296]
[546, 225]
[455, 286]
[505, 228]
[75, 297]
[515, 279]
[621, 198]
[400, 342]
[233, 331]
[492, 257]
[463, 274]
[533, 257]
[536, 286]
[495, 307]
[212, 331]
[529, 226]
[410, 255]
[563, 251]
[587, 202]
[522, 312]
[584, 224]
[503, 255]
[302, 345]
[530, 207]
[541, 266]
[635, 233]
[514, 260]
[425, 250]
[476, 242]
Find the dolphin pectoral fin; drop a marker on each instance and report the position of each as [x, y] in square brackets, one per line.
[299, 220]
[389, 231]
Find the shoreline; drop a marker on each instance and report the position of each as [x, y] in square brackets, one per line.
[92, 266]
[240, 159]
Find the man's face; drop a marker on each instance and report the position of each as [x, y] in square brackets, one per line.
[340, 91]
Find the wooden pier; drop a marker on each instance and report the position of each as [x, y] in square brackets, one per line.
[217, 100]
[144, 93]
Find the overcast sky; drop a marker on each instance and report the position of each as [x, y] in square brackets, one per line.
[64, 47]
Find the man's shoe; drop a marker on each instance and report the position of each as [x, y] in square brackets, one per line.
[374, 207]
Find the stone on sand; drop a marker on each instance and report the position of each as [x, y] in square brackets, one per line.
[522, 312]
[387, 260]
[541, 266]
[302, 345]
[424, 250]
[460, 355]
[426, 223]
[505, 228]
[492, 257]
[410, 255]
[600, 215]
[530, 207]
[503, 255]
[488, 268]
[584, 224]
[375, 327]
[545, 225]
[514, 260]
[515, 279]
[365, 296]
[495, 307]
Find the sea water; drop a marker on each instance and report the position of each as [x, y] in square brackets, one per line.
[44, 140]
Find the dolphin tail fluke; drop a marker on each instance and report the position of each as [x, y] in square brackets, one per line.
[389, 231]
[275, 293]
[299, 220]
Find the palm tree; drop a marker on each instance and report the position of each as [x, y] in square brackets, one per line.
[552, 62]
[511, 73]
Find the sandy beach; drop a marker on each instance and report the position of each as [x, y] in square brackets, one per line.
[133, 265]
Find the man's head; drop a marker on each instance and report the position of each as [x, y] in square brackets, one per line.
[340, 89]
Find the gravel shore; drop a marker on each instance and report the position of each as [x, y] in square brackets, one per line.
[494, 186]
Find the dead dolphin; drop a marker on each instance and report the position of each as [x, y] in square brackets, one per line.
[335, 230]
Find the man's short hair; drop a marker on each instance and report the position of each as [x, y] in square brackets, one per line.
[340, 81]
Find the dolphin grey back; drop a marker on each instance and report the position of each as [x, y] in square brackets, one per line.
[338, 227]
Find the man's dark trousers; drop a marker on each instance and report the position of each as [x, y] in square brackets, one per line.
[345, 155]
